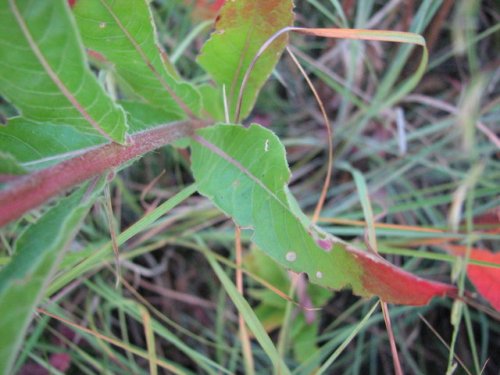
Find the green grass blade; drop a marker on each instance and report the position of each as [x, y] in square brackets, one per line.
[249, 315]
[24, 280]
[142, 224]
[348, 340]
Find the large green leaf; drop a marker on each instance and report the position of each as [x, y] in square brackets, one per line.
[123, 33]
[26, 141]
[37, 254]
[44, 70]
[241, 29]
[245, 173]
[37, 149]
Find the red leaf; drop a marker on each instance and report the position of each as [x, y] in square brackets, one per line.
[485, 279]
[491, 219]
[395, 285]
[206, 10]
[71, 3]
[60, 361]
[217, 5]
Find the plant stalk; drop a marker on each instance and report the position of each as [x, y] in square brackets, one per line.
[30, 191]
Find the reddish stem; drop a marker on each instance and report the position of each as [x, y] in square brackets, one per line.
[32, 190]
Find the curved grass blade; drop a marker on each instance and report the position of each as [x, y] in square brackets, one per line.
[252, 175]
[356, 34]
[381, 36]
[44, 71]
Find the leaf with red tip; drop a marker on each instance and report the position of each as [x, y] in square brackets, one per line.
[251, 186]
[241, 29]
[206, 10]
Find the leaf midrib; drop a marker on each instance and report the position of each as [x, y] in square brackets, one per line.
[51, 73]
[147, 61]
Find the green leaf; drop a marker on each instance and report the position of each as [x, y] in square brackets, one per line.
[241, 29]
[145, 116]
[213, 101]
[38, 251]
[248, 314]
[9, 165]
[250, 185]
[39, 149]
[123, 33]
[28, 143]
[44, 70]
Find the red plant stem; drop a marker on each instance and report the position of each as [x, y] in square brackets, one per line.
[32, 190]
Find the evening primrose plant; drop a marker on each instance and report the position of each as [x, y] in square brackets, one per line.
[93, 91]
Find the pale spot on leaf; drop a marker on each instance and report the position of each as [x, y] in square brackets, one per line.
[291, 256]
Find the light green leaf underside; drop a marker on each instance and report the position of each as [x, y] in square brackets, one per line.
[144, 116]
[245, 173]
[37, 253]
[30, 141]
[40, 145]
[44, 73]
[242, 28]
[213, 101]
[251, 188]
[123, 32]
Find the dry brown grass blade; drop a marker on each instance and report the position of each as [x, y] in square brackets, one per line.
[244, 336]
[329, 166]
[110, 340]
